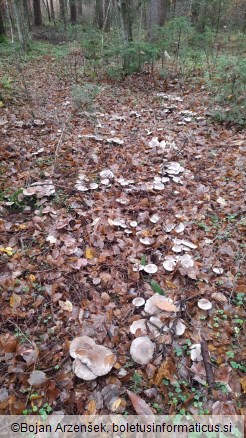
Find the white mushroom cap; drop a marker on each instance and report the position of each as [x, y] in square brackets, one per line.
[91, 360]
[106, 173]
[100, 360]
[158, 186]
[179, 328]
[81, 343]
[150, 268]
[138, 301]
[139, 324]
[137, 267]
[218, 271]
[180, 228]
[186, 261]
[94, 186]
[195, 352]
[170, 263]
[146, 240]
[82, 371]
[154, 218]
[204, 304]
[142, 350]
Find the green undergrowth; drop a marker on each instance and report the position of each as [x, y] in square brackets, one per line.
[176, 49]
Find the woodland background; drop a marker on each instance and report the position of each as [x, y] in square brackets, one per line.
[122, 197]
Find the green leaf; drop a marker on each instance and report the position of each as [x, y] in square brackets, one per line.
[157, 288]
[143, 260]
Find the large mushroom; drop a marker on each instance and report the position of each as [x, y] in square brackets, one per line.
[142, 350]
[91, 360]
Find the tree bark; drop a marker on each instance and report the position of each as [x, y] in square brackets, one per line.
[126, 27]
[125, 18]
[103, 14]
[21, 28]
[27, 13]
[157, 14]
[37, 13]
[62, 12]
[73, 12]
[79, 10]
[52, 11]
[2, 28]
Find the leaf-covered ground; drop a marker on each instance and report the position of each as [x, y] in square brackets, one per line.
[142, 196]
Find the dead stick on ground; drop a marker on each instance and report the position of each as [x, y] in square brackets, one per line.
[59, 144]
[207, 364]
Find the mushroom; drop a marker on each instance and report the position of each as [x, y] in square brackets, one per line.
[106, 173]
[218, 271]
[91, 360]
[170, 263]
[138, 301]
[158, 303]
[186, 261]
[154, 218]
[204, 304]
[196, 352]
[150, 268]
[142, 350]
[146, 240]
[179, 327]
[180, 228]
[140, 324]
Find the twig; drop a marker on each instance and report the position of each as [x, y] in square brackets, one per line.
[23, 334]
[59, 143]
[207, 364]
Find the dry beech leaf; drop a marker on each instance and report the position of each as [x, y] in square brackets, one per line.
[90, 253]
[140, 406]
[243, 384]
[66, 305]
[37, 378]
[14, 301]
[165, 371]
[91, 408]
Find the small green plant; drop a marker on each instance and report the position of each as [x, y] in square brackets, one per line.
[157, 288]
[6, 83]
[15, 201]
[240, 299]
[84, 96]
[137, 382]
[238, 366]
[143, 260]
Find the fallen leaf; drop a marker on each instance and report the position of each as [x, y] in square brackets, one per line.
[15, 300]
[37, 378]
[66, 305]
[140, 406]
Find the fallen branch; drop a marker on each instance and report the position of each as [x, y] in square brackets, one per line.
[207, 364]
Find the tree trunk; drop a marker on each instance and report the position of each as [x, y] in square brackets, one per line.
[2, 28]
[62, 12]
[21, 28]
[27, 13]
[47, 6]
[52, 11]
[79, 10]
[126, 27]
[157, 14]
[103, 14]
[73, 12]
[125, 19]
[37, 13]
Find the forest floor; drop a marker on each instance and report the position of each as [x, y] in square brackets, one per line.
[78, 245]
